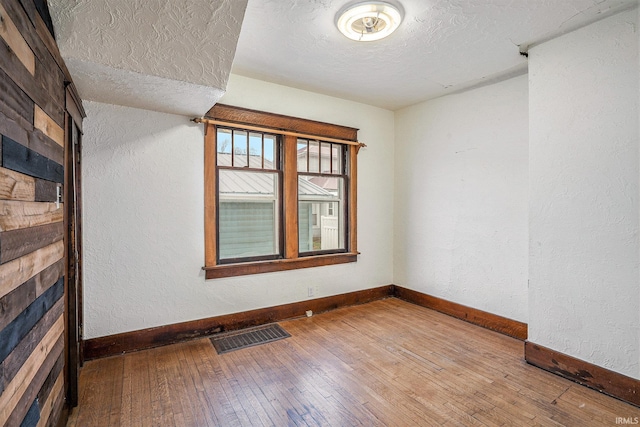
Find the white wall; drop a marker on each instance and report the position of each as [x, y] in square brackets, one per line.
[584, 294]
[461, 198]
[143, 214]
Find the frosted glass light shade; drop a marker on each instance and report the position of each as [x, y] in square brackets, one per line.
[368, 21]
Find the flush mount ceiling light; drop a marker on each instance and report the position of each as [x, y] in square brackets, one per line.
[368, 21]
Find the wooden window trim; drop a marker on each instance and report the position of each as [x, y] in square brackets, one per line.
[290, 128]
[264, 129]
[290, 198]
[256, 267]
[246, 117]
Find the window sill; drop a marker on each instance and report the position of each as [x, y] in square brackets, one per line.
[246, 268]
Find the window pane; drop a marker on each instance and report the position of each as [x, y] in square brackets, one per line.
[255, 150]
[305, 228]
[320, 213]
[325, 157]
[248, 214]
[336, 153]
[270, 152]
[240, 149]
[302, 155]
[223, 140]
[314, 158]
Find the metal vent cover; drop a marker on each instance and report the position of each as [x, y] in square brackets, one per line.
[236, 340]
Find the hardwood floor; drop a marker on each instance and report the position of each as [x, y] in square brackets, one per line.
[384, 363]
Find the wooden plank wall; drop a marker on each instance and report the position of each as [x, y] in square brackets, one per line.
[32, 138]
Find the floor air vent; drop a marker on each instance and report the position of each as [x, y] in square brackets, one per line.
[231, 341]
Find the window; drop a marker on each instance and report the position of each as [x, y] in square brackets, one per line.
[249, 195]
[280, 192]
[321, 194]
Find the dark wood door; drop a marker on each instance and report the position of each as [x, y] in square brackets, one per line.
[73, 217]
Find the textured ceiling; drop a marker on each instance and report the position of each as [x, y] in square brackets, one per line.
[176, 55]
[165, 55]
[442, 46]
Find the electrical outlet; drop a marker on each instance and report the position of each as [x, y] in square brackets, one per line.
[311, 291]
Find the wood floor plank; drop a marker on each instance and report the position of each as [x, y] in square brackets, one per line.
[383, 363]
[267, 398]
[373, 390]
[388, 372]
[100, 387]
[277, 386]
[193, 381]
[180, 382]
[219, 405]
[233, 412]
[232, 362]
[161, 402]
[140, 411]
[310, 394]
[115, 397]
[337, 375]
[126, 409]
[315, 384]
[250, 374]
[169, 378]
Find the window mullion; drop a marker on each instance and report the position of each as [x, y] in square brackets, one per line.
[330, 158]
[210, 191]
[290, 196]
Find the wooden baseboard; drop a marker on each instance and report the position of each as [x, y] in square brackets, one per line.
[585, 373]
[506, 326]
[162, 335]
